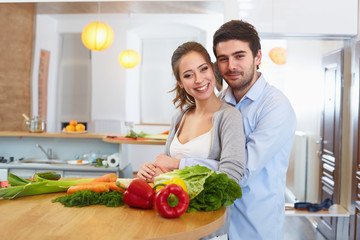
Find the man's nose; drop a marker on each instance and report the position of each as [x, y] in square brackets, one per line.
[231, 64]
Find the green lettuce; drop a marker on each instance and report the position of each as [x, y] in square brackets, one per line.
[208, 190]
[193, 176]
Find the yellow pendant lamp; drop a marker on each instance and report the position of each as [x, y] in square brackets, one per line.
[97, 36]
[129, 58]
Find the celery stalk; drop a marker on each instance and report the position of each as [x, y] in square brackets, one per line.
[41, 187]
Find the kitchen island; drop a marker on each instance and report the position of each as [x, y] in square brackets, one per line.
[36, 217]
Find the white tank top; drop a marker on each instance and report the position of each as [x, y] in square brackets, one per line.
[198, 147]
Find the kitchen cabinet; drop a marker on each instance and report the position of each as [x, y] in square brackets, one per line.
[357, 227]
[26, 170]
[303, 18]
[66, 146]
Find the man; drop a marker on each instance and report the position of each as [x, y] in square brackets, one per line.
[269, 126]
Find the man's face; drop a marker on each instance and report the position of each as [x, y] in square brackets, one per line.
[237, 64]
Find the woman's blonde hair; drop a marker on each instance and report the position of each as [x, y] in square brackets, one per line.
[182, 98]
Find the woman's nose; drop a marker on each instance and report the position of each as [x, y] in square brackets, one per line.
[198, 78]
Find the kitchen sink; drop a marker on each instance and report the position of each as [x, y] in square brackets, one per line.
[39, 160]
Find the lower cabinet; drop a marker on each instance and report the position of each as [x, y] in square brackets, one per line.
[357, 223]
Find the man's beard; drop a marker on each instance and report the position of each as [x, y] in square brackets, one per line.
[244, 82]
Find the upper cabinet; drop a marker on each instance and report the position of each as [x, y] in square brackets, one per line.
[302, 18]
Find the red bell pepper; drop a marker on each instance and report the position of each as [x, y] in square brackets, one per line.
[171, 201]
[139, 194]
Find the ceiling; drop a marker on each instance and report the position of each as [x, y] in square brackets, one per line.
[183, 7]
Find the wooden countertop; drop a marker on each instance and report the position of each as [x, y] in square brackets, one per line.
[102, 136]
[36, 217]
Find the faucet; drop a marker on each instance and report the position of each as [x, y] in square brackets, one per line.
[48, 153]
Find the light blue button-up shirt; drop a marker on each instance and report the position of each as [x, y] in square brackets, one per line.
[269, 126]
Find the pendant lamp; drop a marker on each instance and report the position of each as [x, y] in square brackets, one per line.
[278, 55]
[129, 58]
[97, 36]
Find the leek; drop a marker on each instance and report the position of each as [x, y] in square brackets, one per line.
[21, 187]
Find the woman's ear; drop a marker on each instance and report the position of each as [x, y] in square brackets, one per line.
[180, 85]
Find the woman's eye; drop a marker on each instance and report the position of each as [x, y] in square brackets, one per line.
[187, 75]
[203, 69]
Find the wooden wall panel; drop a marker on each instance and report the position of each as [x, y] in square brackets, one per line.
[16, 42]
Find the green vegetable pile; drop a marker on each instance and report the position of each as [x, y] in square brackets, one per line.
[87, 198]
[208, 190]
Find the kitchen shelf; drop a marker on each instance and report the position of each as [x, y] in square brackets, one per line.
[103, 136]
[21, 134]
[334, 211]
[138, 142]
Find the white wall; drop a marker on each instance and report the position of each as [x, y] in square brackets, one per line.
[115, 91]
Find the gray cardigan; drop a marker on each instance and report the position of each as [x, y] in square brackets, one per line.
[228, 143]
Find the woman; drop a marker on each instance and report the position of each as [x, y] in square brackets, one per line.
[206, 131]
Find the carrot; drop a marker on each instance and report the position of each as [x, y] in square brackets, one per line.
[93, 187]
[115, 187]
[110, 177]
[165, 133]
[112, 185]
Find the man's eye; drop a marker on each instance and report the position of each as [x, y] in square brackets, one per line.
[239, 56]
[222, 59]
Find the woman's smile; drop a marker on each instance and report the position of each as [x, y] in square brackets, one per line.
[203, 88]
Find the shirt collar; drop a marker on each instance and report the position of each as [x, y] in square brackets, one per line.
[256, 89]
[253, 93]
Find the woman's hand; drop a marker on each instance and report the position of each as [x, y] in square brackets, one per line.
[166, 163]
[148, 172]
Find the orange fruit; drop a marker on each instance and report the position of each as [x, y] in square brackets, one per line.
[79, 160]
[73, 123]
[80, 127]
[70, 128]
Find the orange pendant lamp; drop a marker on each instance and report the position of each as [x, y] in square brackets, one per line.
[97, 36]
[129, 58]
[278, 55]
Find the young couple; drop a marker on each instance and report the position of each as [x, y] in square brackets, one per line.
[246, 132]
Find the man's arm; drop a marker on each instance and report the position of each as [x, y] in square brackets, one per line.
[275, 127]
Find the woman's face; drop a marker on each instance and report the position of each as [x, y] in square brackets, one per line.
[196, 75]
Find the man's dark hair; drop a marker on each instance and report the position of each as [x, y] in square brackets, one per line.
[238, 30]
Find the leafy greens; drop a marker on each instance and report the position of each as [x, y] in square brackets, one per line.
[208, 190]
